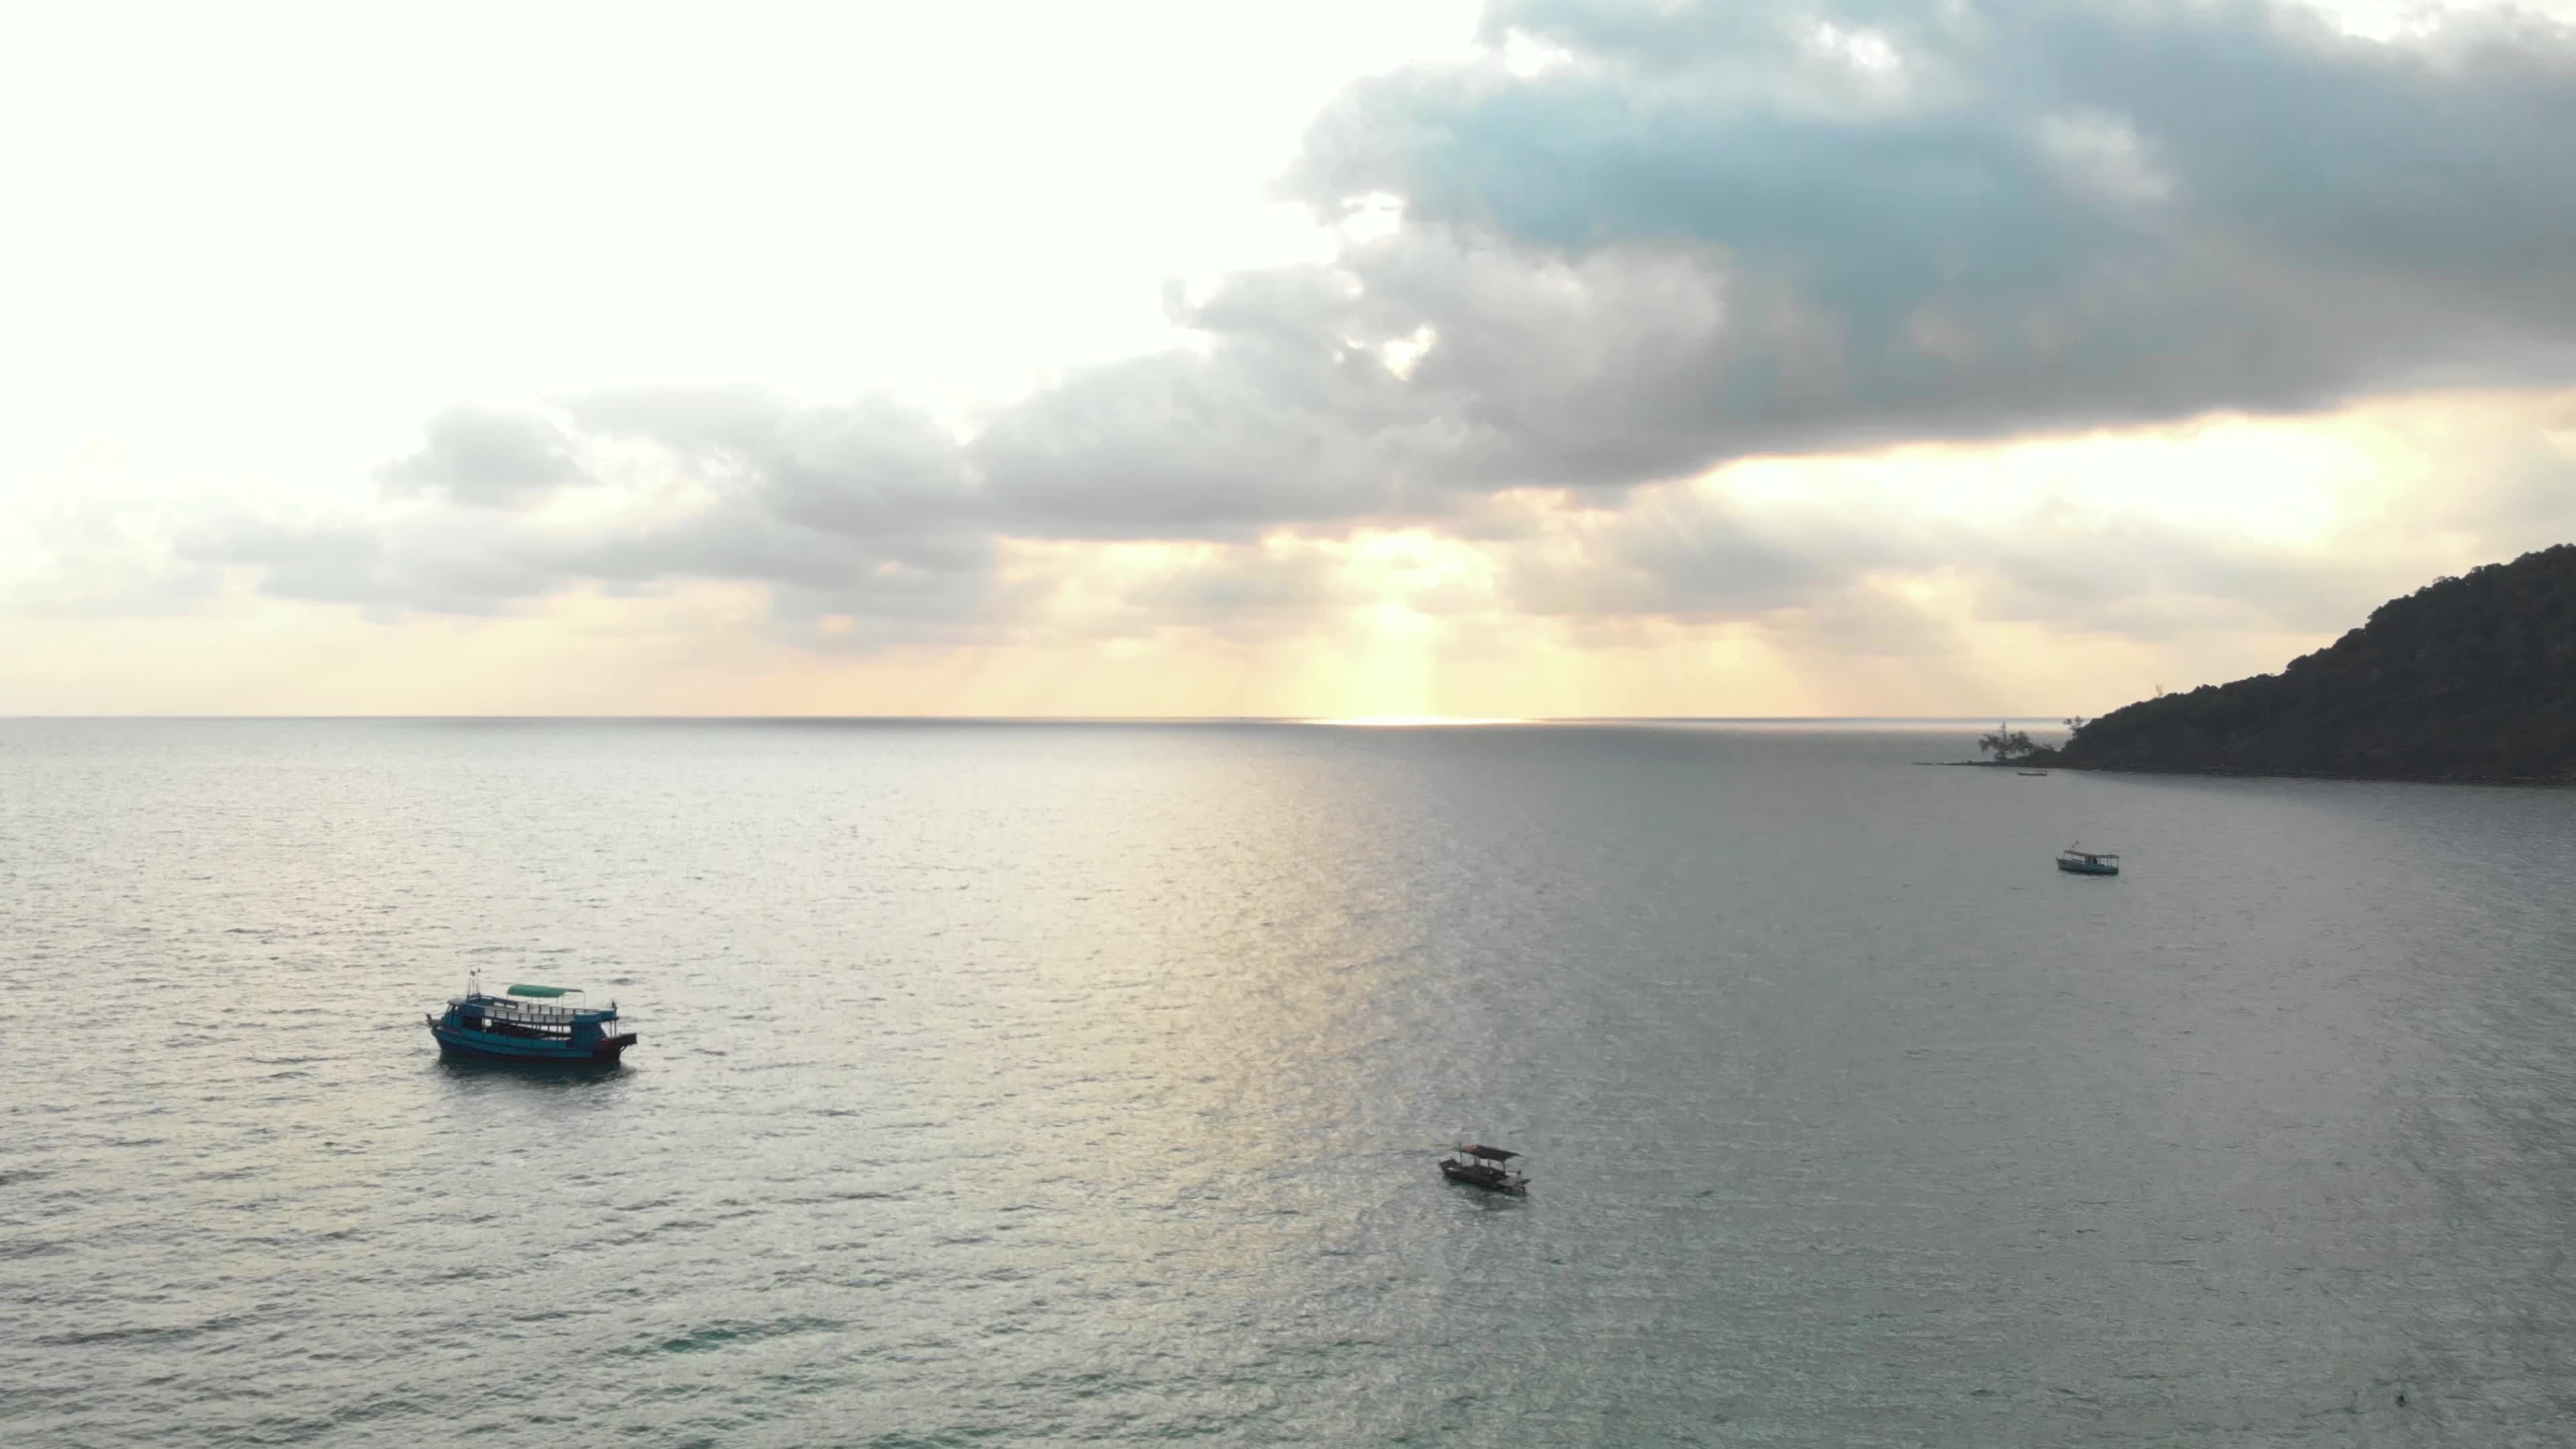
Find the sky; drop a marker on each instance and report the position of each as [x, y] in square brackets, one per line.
[1540, 358]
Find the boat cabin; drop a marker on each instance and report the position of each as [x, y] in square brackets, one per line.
[512, 1015]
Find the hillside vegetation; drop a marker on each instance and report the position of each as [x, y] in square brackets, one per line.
[2465, 679]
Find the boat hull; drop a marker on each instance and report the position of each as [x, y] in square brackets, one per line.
[493, 1047]
[2076, 868]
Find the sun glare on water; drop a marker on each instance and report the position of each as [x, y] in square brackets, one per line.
[1387, 721]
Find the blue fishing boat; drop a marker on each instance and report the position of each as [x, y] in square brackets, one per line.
[529, 1024]
[2087, 862]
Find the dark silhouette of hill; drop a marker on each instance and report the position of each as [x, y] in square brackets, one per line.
[2465, 679]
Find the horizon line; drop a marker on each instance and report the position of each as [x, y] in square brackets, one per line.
[1423, 720]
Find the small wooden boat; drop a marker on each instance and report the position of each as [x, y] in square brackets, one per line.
[1483, 1167]
[525, 1024]
[2087, 862]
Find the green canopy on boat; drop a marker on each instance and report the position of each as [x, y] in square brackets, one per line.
[545, 991]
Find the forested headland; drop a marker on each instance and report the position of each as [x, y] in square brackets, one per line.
[2470, 678]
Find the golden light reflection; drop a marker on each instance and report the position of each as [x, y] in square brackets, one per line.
[1413, 721]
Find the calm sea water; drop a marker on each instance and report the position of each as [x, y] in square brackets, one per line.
[1049, 1084]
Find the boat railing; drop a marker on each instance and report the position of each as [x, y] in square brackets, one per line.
[500, 1009]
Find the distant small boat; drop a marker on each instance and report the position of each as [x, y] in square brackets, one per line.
[2035, 774]
[2087, 862]
[529, 1024]
[1483, 1167]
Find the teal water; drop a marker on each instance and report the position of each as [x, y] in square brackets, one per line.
[1050, 1084]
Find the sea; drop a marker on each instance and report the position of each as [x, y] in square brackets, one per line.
[1084, 1083]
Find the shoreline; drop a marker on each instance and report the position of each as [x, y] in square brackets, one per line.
[2221, 772]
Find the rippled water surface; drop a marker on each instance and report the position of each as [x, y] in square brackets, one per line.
[1033, 1084]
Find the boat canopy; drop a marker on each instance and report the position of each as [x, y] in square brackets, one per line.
[545, 991]
[1490, 1154]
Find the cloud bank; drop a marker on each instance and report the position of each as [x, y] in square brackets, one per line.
[1640, 240]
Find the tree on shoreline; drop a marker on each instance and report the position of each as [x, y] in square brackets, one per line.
[2006, 744]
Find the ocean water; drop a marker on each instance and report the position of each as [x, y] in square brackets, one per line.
[1050, 1084]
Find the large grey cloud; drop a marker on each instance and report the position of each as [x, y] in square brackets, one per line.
[2038, 216]
[1710, 234]
[1714, 230]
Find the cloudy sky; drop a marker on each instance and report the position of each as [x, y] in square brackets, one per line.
[1546, 357]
